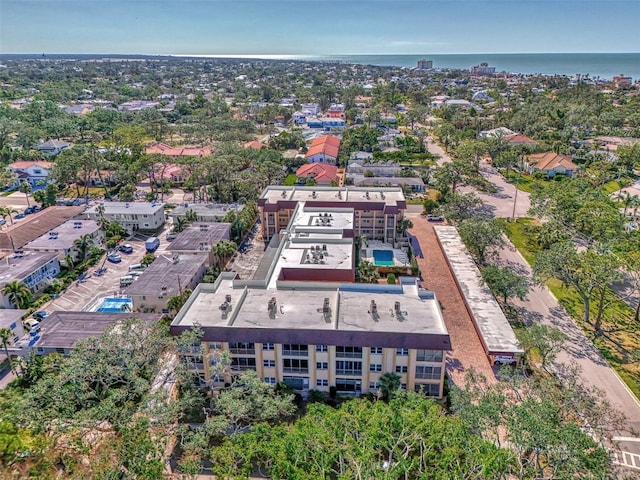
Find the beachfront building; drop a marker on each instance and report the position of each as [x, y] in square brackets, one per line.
[62, 240]
[377, 211]
[132, 216]
[35, 269]
[425, 64]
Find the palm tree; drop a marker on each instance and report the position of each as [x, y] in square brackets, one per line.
[25, 187]
[68, 259]
[224, 250]
[389, 383]
[5, 336]
[367, 272]
[180, 224]
[403, 225]
[361, 241]
[83, 244]
[19, 293]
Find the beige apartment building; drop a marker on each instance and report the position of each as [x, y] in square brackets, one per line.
[377, 210]
[315, 335]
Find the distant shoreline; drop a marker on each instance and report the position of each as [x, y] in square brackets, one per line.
[596, 65]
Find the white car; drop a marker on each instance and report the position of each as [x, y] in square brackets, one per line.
[505, 360]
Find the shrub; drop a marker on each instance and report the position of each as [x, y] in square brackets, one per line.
[391, 279]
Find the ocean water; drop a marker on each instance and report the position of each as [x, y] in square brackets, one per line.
[603, 65]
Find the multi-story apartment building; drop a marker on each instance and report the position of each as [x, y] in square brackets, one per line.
[314, 335]
[376, 210]
[132, 216]
[34, 269]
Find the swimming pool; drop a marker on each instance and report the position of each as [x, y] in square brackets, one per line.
[115, 305]
[383, 258]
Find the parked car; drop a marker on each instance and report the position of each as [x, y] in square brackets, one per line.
[171, 236]
[152, 244]
[2, 221]
[40, 315]
[31, 324]
[19, 216]
[114, 258]
[435, 218]
[126, 248]
[505, 360]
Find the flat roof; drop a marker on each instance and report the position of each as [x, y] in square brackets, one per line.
[207, 209]
[200, 237]
[300, 306]
[34, 225]
[10, 315]
[115, 208]
[166, 276]
[387, 195]
[65, 235]
[18, 267]
[65, 329]
[493, 327]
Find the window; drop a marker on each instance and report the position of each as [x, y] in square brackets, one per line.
[322, 365]
[401, 369]
[347, 385]
[295, 350]
[402, 352]
[403, 386]
[374, 385]
[321, 382]
[243, 363]
[348, 352]
[295, 365]
[268, 346]
[322, 348]
[242, 348]
[215, 346]
[269, 363]
[40, 349]
[428, 372]
[429, 355]
[429, 389]
[347, 367]
[376, 350]
[375, 367]
[270, 380]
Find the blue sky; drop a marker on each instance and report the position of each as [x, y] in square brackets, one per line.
[311, 27]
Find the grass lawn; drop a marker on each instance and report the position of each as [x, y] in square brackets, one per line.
[622, 335]
[614, 185]
[290, 180]
[524, 183]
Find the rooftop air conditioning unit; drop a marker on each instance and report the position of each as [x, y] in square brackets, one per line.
[373, 308]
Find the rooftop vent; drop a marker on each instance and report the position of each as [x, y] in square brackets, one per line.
[396, 307]
[367, 196]
[272, 306]
[314, 194]
[283, 194]
[326, 308]
[227, 298]
[373, 308]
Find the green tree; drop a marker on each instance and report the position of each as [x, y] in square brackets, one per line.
[389, 384]
[5, 337]
[588, 272]
[483, 237]
[25, 187]
[367, 272]
[180, 224]
[505, 283]
[148, 259]
[83, 245]
[544, 340]
[18, 292]
[224, 250]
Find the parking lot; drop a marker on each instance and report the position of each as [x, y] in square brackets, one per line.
[85, 295]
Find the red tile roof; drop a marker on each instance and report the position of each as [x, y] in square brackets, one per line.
[255, 144]
[28, 163]
[550, 160]
[517, 138]
[327, 144]
[320, 172]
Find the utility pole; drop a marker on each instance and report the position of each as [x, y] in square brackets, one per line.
[515, 200]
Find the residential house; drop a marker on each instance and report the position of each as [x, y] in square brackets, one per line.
[321, 173]
[12, 319]
[164, 149]
[35, 269]
[32, 171]
[198, 238]
[52, 147]
[550, 163]
[622, 81]
[323, 149]
[132, 216]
